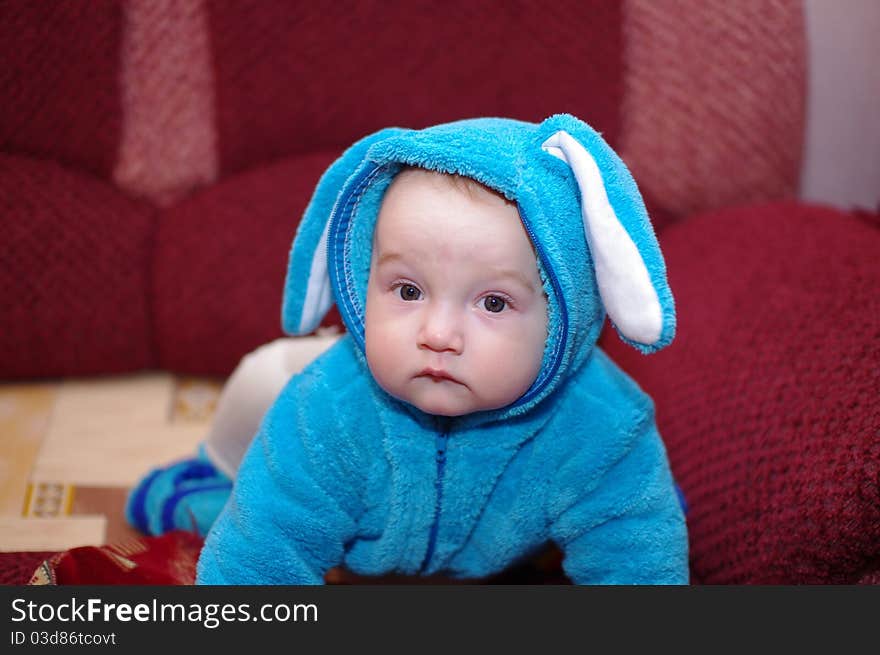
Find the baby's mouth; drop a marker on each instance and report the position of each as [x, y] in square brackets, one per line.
[437, 375]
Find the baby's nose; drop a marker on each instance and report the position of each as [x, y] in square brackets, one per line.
[441, 332]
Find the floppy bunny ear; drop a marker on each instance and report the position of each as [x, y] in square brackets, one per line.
[625, 284]
[308, 294]
[318, 295]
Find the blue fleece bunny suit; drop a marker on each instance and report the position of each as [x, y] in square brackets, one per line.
[341, 473]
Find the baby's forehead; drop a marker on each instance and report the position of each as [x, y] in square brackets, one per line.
[453, 182]
[458, 212]
[420, 201]
[440, 222]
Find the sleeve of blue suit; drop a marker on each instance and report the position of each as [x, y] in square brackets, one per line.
[281, 525]
[628, 528]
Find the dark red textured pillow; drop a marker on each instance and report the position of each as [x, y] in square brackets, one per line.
[221, 259]
[74, 274]
[769, 397]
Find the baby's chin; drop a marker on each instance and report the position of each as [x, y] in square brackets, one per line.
[442, 407]
[449, 406]
[447, 399]
[437, 402]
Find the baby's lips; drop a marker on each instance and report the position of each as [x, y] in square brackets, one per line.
[439, 375]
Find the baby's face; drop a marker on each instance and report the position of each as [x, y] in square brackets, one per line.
[456, 317]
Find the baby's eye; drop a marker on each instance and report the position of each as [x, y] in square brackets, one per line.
[494, 304]
[409, 292]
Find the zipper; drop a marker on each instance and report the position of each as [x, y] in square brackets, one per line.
[556, 359]
[440, 442]
[337, 234]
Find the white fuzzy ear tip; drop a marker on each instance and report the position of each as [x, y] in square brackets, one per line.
[556, 152]
[647, 329]
[551, 146]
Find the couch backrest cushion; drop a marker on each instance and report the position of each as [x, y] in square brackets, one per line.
[59, 81]
[295, 77]
[714, 101]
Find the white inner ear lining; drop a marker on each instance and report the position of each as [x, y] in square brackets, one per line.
[319, 297]
[624, 283]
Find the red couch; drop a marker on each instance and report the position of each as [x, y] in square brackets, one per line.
[155, 159]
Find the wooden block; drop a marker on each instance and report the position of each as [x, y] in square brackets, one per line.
[108, 502]
[24, 419]
[18, 534]
[111, 431]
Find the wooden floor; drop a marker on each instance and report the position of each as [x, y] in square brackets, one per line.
[71, 450]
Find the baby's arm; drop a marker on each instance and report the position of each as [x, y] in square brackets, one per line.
[280, 526]
[629, 527]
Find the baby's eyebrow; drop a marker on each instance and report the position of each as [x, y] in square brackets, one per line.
[387, 257]
[515, 275]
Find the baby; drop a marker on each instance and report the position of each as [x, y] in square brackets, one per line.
[467, 418]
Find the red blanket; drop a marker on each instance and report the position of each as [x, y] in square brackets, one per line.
[166, 560]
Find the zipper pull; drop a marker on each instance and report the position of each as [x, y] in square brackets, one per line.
[440, 443]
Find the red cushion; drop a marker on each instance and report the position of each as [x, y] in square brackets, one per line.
[74, 274]
[169, 559]
[768, 397]
[291, 79]
[221, 259]
[59, 81]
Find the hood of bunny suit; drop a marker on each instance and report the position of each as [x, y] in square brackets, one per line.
[578, 202]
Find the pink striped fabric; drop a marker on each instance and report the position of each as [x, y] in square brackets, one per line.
[169, 140]
[714, 100]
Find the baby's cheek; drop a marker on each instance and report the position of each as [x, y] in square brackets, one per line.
[519, 357]
[499, 359]
[375, 349]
